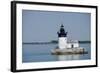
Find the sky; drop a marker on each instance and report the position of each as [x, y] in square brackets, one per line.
[42, 26]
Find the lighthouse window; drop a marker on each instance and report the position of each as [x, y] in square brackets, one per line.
[72, 45]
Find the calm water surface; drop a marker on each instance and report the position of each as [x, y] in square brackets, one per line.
[42, 53]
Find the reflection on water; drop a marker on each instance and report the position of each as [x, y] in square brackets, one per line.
[68, 57]
[42, 53]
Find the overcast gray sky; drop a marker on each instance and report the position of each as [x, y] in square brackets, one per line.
[42, 26]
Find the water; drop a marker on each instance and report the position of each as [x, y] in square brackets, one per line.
[42, 53]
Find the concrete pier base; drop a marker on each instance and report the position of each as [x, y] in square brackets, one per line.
[77, 50]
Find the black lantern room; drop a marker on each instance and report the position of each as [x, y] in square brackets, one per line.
[62, 32]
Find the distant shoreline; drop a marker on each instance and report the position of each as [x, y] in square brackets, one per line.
[52, 42]
[84, 41]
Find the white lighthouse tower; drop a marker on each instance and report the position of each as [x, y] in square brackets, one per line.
[62, 38]
[65, 46]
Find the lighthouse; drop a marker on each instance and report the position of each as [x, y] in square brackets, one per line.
[65, 46]
[62, 38]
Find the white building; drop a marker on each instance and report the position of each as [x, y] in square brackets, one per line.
[65, 46]
[63, 42]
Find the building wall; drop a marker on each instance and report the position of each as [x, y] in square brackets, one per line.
[62, 42]
[76, 44]
[69, 45]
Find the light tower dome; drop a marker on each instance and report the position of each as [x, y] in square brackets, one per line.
[62, 32]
